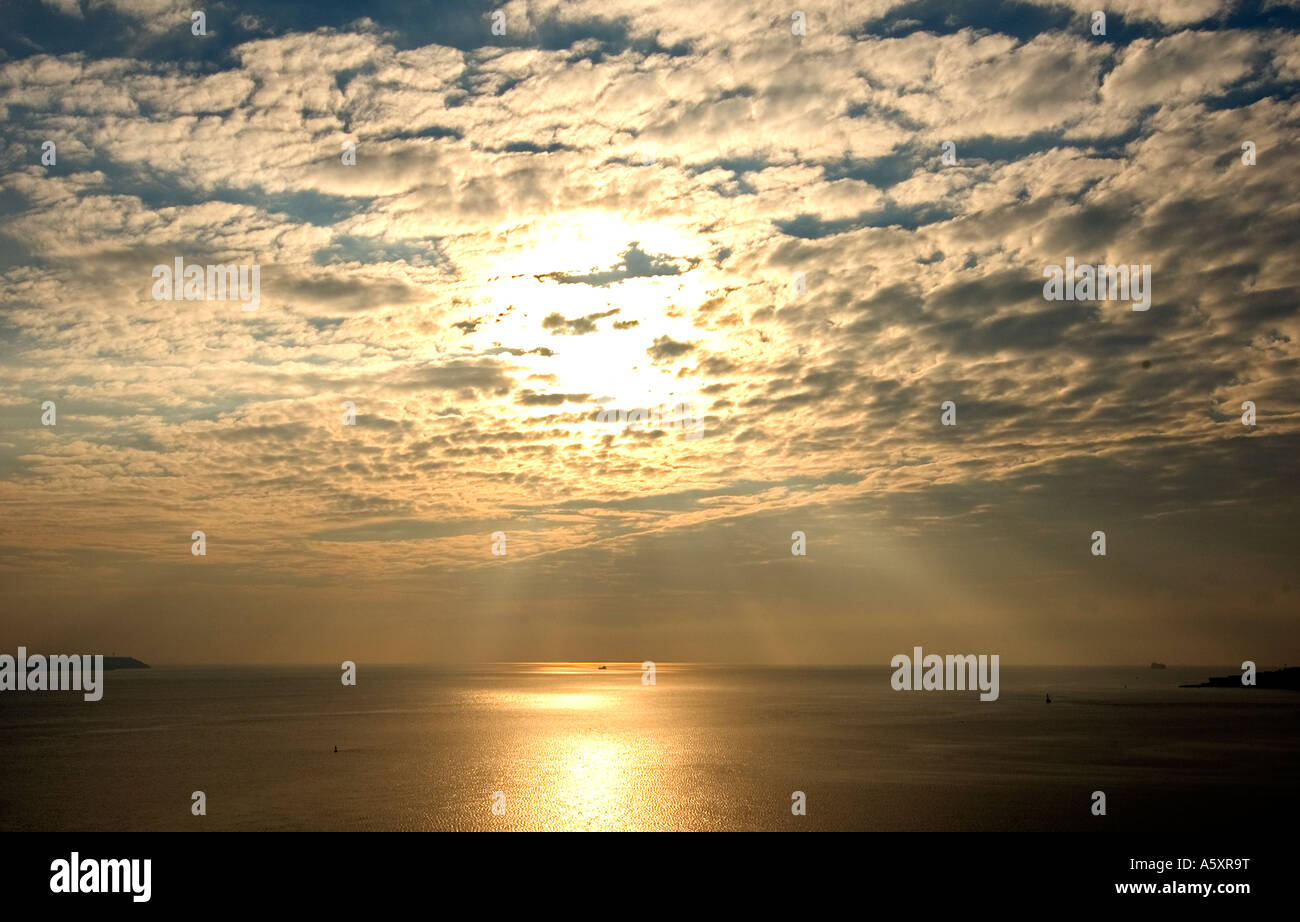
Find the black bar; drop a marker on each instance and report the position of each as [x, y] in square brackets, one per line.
[649, 873]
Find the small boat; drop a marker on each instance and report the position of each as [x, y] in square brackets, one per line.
[1049, 697]
[336, 749]
[1159, 666]
[600, 667]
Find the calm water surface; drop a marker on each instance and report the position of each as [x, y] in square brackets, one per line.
[707, 747]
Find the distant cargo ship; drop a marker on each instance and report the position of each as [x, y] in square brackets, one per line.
[1159, 666]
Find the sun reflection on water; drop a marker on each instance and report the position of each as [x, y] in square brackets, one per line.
[580, 756]
[592, 781]
[557, 701]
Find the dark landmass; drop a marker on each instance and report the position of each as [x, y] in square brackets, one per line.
[123, 662]
[1279, 678]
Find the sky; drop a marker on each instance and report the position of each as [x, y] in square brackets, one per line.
[617, 205]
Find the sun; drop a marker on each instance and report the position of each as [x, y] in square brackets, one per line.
[576, 286]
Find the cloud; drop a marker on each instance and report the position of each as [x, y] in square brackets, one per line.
[797, 262]
[580, 326]
[666, 348]
[634, 264]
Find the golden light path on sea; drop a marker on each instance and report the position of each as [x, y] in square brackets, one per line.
[583, 759]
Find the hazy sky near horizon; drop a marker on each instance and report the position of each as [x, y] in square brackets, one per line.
[607, 207]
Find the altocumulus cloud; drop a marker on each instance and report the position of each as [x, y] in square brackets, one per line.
[796, 259]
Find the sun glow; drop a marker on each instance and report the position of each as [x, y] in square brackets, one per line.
[560, 701]
[604, 290]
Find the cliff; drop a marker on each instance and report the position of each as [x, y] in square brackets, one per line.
[123, 662]
[1279, 678]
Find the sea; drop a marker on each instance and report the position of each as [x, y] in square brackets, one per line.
[571, 746]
